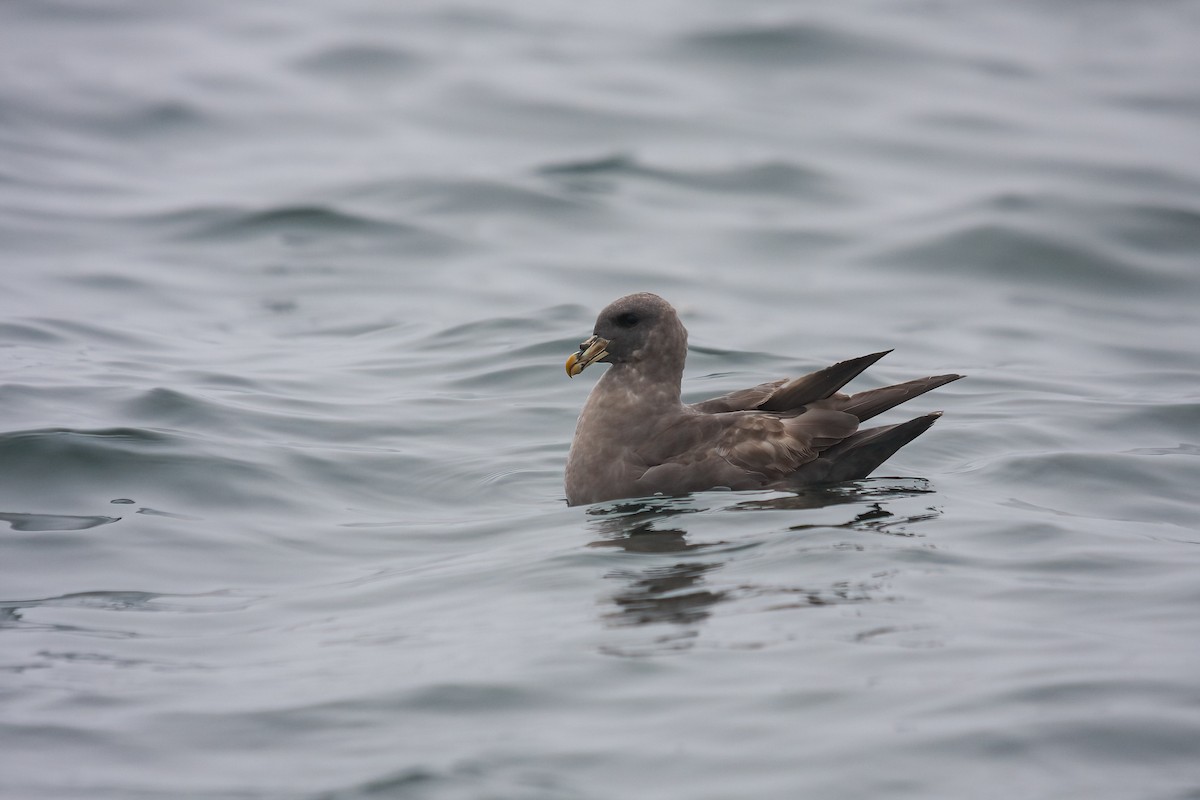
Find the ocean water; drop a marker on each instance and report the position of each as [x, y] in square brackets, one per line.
[285, 294]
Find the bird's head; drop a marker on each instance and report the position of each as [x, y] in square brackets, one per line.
[634, 330]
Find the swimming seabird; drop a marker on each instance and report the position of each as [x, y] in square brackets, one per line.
[636, 438]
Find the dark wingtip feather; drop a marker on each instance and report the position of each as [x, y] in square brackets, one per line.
[872, 402]
[859, 455]
[818, 385]
[862, 456]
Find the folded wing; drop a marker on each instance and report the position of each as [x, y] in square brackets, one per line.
[805, 431]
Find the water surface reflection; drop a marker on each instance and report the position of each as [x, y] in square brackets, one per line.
[679, 586]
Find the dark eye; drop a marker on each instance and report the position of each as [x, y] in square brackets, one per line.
[628, 319]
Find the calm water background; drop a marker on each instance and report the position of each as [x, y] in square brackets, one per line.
[285, 292]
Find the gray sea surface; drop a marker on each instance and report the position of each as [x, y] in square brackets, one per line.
[285, 295]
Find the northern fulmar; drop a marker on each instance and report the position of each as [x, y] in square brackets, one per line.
[636, 438]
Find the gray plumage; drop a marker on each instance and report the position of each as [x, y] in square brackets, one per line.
[636, 438]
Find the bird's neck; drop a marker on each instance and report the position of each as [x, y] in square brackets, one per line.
[659, 391]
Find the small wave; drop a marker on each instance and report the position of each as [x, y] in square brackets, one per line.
[131, 436]
[54, 522]
[151, 118]
[471, 334]
[54, 464]
[28, 333]
[1114, 486]
[1183, 449]
[453, 197]
[137, 601]
[312, 219]
[604, 165]
[1006, 252]
[358, 60]
[479, 197]
[120, 114]
[60, 11]
[93, 334]
[795, 44]
[1159, 228]
[781, 244]
[293, 225]
[497, 378]
[164, 406]
[775, 177]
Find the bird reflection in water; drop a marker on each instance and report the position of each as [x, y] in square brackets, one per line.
[672, 593]
[677, 593]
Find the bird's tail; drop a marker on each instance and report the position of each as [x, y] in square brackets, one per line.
[861, 453]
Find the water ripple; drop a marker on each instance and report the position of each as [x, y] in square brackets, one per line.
[1008, 253]
[359, 60]
[764, 178]
[54, 522]
[44, 463]
[307, 220]
[791, 45]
